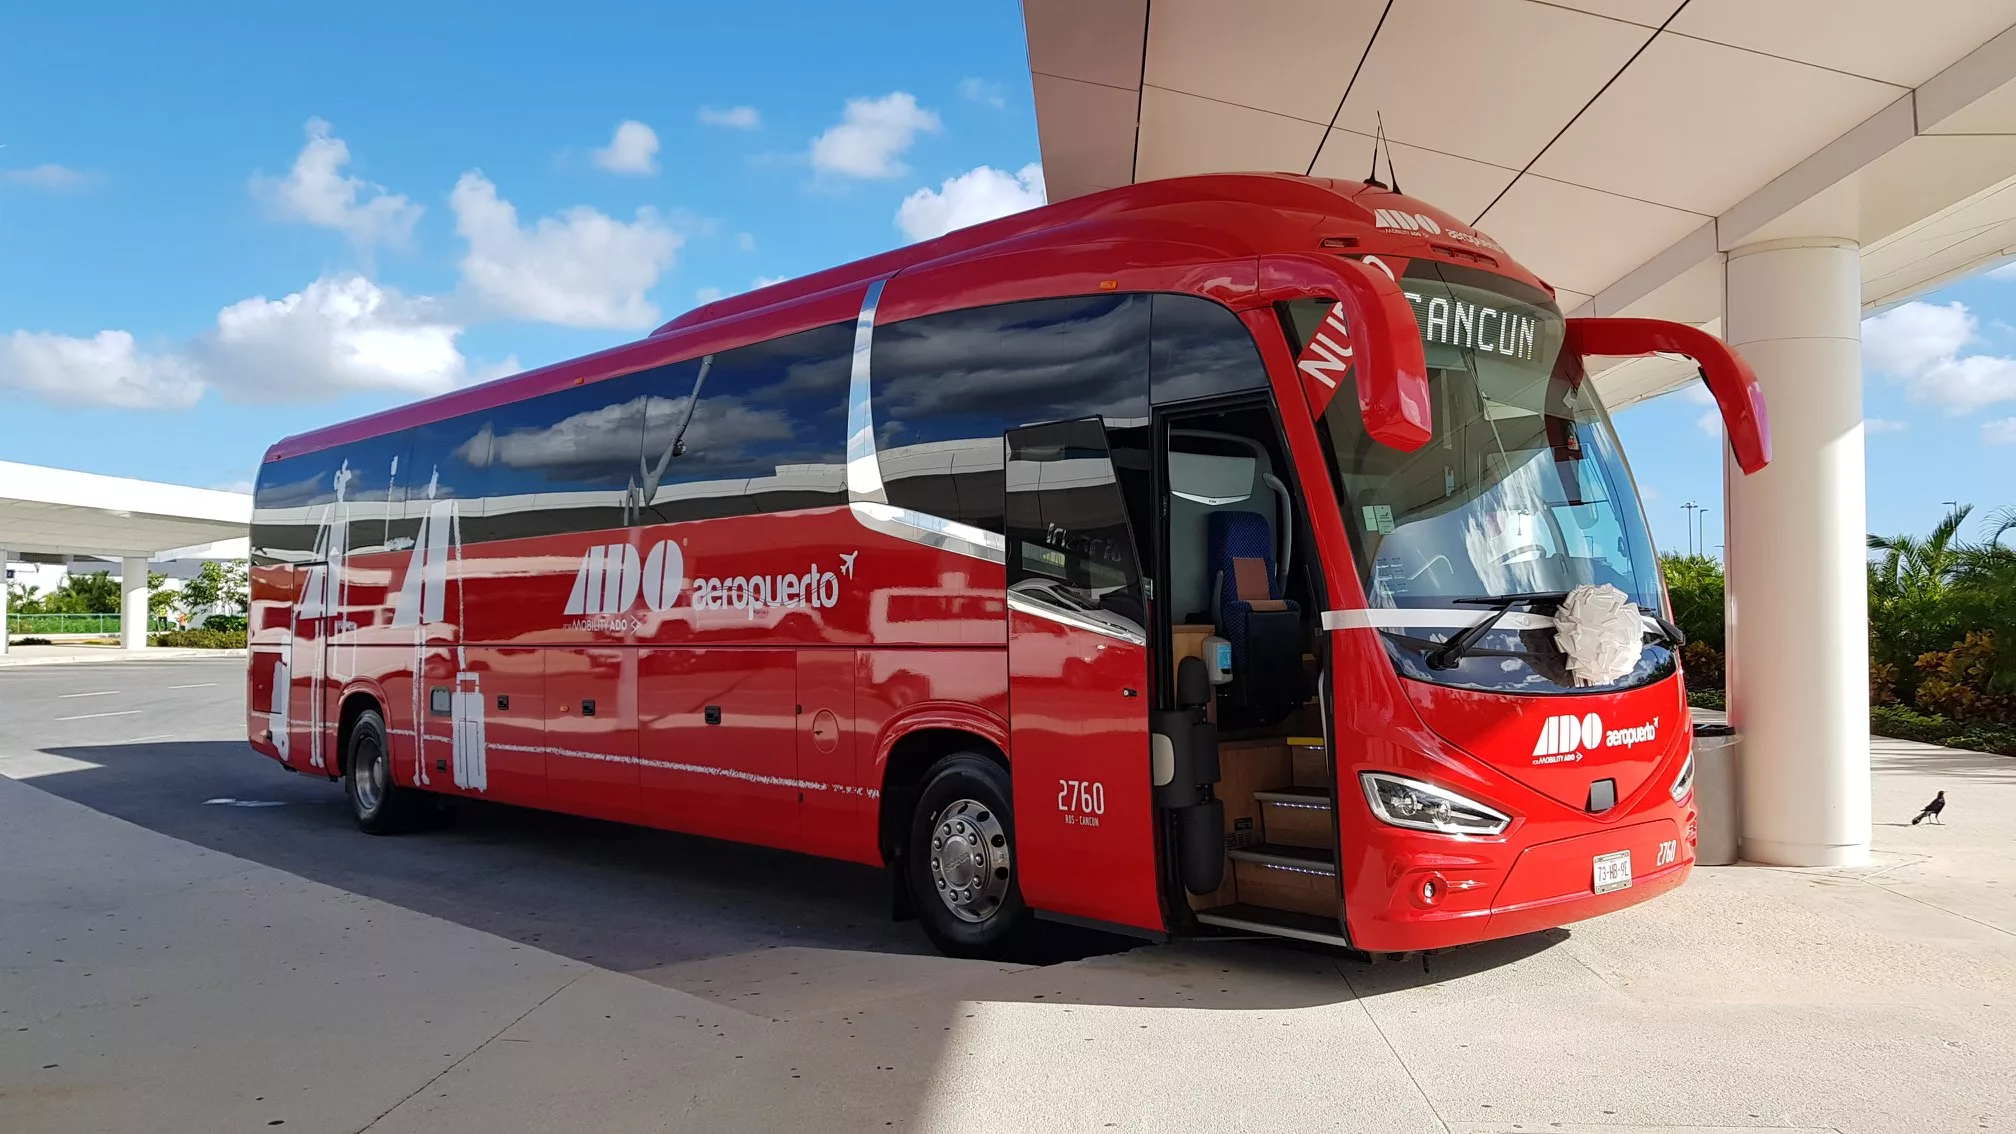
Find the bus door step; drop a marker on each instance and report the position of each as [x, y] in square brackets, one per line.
[1249, 918]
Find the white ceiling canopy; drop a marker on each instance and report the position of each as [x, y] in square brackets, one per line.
[1616, 147]
[57, 511]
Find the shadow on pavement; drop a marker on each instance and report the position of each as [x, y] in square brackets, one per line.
[689, 912]
[1929, 761]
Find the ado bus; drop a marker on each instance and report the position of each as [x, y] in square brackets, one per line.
[1193, 554]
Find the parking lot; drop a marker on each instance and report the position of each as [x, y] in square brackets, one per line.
[192, 939]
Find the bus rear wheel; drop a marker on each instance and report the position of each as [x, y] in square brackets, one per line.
[962, 861]
[381, 806]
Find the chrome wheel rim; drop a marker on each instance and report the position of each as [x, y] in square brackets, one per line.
[969, 859]
[368, 776]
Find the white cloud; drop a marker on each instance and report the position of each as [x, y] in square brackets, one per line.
[977, 195]
[873, 133]
[765, 281]
[1884, 425]
[1999, 432]
[983, 92]
[707, 294]
[734, 117]
[745, 241]
[1710, 423]
[107, 369]
[316, 191]
[1911, 338]
[338, 334]
[48, 175]
[2005, 272]
[579, 269]
[1697, 392]
[491, 371]
[634, 149]
[1919, 344]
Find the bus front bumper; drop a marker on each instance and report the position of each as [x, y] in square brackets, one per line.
[1546, 885]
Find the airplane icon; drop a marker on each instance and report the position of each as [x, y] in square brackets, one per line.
[847, 562]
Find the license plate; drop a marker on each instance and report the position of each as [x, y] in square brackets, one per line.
[1613, 872]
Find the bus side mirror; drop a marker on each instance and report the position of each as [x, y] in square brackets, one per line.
[1728, 377]
[1369, 333]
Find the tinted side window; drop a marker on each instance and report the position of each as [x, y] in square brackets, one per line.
[761, 428]
[287, 506]
[372, 472]
[568, 461]
[1201, 349]
[1069, 544]
[945, 387]
[448, 460]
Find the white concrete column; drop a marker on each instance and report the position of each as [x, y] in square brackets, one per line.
[1798, 609]
[133, 610]
[3, 600]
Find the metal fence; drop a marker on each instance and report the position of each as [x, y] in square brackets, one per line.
[106, 624]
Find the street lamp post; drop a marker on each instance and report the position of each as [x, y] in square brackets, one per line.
[1689, 508]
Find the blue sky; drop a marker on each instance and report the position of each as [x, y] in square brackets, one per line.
[239, 221]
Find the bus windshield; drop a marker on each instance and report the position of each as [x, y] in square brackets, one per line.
[1522, 490]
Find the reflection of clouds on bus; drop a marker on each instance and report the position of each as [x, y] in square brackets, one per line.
[721, 428]
[1017, 361]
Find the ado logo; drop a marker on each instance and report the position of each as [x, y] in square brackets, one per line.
[1399, 221]
[1563, 738]
[611, 578]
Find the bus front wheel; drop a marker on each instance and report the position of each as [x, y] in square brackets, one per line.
[962, 861]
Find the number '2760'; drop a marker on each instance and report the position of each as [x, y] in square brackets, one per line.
[1081, 797]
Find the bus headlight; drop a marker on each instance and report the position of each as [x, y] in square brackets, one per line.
[1424, 807]
[1683, 784]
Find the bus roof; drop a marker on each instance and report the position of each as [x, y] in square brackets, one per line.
[1176, 222]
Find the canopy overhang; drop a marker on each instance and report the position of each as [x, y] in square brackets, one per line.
[58, 512]
[1617, 148]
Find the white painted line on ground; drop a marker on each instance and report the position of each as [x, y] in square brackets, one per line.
[156, 736]
[198, 685]
[95, 716]
[41, 764]
[100, 693]
[227, 802]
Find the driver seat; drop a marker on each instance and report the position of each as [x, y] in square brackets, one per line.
[1264, 629]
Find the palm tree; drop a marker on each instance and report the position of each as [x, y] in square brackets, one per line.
[1984, 590]
[1911, 611]
[1914, 566]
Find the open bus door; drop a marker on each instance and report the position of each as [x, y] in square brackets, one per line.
[1078, 691]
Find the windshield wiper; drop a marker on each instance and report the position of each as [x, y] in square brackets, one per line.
[1455, 648]
[1674, 636]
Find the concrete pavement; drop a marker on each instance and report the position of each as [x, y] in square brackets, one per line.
[150, 984]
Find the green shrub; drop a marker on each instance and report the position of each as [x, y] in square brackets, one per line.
[1703, 665]
[33, 642]
[205, 639]
[1708, 699]
[225, 622]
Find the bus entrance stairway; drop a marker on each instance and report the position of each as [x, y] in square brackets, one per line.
[1280, 842]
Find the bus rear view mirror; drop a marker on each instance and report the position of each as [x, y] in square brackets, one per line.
[1728, 377]
[1369, 334]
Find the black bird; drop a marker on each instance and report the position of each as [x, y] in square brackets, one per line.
[1932, 809]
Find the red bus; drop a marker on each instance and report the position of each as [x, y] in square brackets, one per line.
[1213, 553]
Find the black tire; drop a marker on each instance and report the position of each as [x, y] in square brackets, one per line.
[965, 805]
[381, 806]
